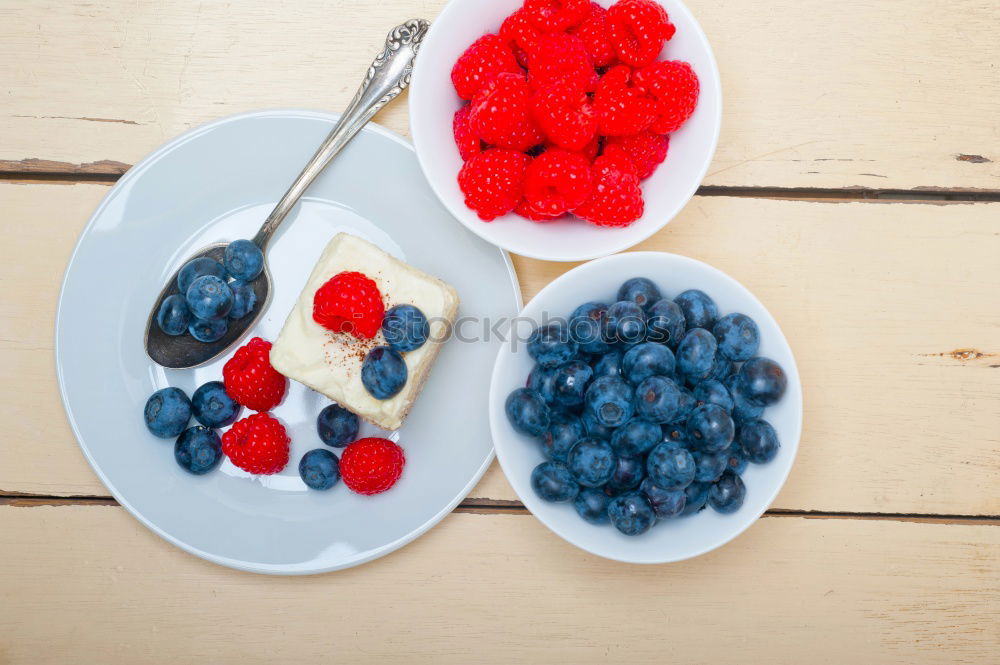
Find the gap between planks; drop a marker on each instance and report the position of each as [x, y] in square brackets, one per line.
[480, 506]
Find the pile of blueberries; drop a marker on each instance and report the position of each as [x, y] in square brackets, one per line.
[647, 409]
[383, 371]
[207, 299]
[198, 449]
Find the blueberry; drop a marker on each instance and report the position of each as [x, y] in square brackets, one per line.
[337, 426]
[738, 336]
[710, 428]
[762, 381]
[688, 404]
[722, 368]
[711, 391]
[196, 268]
[758, 441]
[541, 381]
[696, 496]
[631, 513]
[610, 364]
[645, 360]
[527, 412]
[563, 432]
[727, 494]
[586, 326]
[665, 323]
[208, 330]
[594, 428]
[552, 481]
[592, 462]
[641, 291]
[167, 412]
[626, 323]
[667, 504]
[592, 505]
[244, 299]
[735, 459]
[699, 310]
[610, 399]
[405, 328]
[743, 409]
[658, 399]
[569, 384]
[670, 467]
[709, 466]
[676, 433]
[213, 407]
[173, 316]
[198, 450]
[629, 472]
[243, 260]
[209, 297]
[319, 469]
[551, 345]
[636, 438]
[383, 372]
[696, 354]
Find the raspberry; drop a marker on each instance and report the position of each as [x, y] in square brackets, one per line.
[558, 55]
[674, 86]
[593, 32]
[646, 150]
[556, 15]
[522, 34]
[350, 303]
[257, 444]
[528, 211]
[556, 181]
[250, 379]
[466, 140]
[501, 114]
[493, 181]
[638, 29]
[591, 149]
[481, 63]
[621, 108]
[616, 198]
[565, 114]
[371, 465]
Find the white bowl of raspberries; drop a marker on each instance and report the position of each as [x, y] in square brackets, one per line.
[646, 408]
[565, 130]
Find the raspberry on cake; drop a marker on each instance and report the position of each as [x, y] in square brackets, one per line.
[330, 362]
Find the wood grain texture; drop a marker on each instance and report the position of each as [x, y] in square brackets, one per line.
[481, 589]
[891, 94]
[897, 345]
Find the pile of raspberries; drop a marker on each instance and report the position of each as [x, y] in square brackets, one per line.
[569, 110]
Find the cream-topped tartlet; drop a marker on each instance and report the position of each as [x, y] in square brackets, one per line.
[330, 362]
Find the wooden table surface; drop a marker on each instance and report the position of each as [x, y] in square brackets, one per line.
[856, 191]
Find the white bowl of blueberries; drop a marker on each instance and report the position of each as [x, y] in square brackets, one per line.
[649, 411]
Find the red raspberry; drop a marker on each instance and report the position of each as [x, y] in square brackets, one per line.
[638, 29]
[466, 140]
[556, 15]
[257, 444]
[593, 32]
[558, 55]
[674, 85]
[522, 34]
[591, 149]
[493, 181]
[250, 379]
[501, 114]
[350, 303]
[481, 63]
[616, 199]
[371, 465]
[565, 114]
[621, 108]
[646, 150]
[557, 181]
[528, 211]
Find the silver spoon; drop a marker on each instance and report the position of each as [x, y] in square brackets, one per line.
[388, 76]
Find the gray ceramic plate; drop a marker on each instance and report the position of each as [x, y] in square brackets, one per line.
[218, 182]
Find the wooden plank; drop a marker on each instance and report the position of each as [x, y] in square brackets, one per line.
[892, 94]
[790, 590]
[891, 310]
